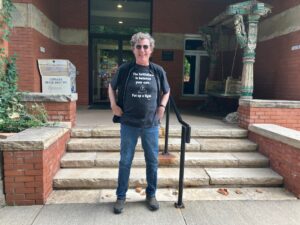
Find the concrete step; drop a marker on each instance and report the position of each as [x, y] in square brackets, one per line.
[226, 145]
[192, 159]
[107, 178]
[225, 131]
[171, 195]
[113, 144]
[244, 176]
[174, 131]
[99, 132]
[167, 177]
[204, 144]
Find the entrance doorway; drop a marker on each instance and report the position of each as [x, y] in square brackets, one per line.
[195, 66]
[107, 54]
[111, 25]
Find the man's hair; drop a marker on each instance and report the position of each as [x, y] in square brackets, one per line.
[140, 36]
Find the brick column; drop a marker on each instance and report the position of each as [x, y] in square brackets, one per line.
[61, 108]
[280, 112]
[31, 159]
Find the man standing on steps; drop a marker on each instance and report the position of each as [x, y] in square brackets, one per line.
[143, 93]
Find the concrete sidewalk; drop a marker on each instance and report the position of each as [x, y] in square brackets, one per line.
[194, 213]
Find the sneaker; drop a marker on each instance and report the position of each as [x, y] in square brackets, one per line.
[119, 206]
[152, 203]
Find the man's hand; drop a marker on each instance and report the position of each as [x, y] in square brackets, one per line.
[116, 110]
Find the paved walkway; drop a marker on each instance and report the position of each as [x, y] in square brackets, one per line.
[96, 117]
[195, 213]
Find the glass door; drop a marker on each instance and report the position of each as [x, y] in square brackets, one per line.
[107, 55]
[195, 73]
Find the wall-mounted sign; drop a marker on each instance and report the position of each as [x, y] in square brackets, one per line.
[167, 55]
[295, 47]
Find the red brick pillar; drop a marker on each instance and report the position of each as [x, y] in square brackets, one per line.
[60, 108]
[31, 159]
[280, 112]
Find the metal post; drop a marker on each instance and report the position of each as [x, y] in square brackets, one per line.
[179, 203]
[167, 129]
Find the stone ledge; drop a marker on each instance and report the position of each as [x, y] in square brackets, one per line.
[42, 97]
[259, 103]
[275, 132]
[39, 138]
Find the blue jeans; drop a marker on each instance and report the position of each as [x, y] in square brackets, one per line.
[129, 138]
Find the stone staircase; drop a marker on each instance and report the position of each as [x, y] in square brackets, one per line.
[214, 158]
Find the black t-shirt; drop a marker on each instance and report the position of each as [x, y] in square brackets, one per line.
[140, 97]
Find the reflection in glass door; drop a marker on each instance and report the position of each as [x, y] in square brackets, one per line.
[107, 55]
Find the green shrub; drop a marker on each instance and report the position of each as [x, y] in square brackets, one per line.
[14, 115]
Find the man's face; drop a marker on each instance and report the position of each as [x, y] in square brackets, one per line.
[142, 52]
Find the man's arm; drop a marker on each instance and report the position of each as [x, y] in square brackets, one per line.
[163, 103]
[113, 104]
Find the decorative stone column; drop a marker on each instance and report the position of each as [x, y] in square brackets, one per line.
[248, 43]
[211, 42]
[252, 11]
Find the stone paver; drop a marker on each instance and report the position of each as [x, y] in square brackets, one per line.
[242, 213]
[19, 215]
[226, 145]
[251, 159]
[244, 176]
[113, 144]
[192, 159]
[221, 130]
[171, 195]
[107, 178]
[78, 159]
[136, 213]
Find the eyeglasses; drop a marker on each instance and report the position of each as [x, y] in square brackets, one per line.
[145, 47]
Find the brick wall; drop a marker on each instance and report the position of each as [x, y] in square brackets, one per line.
[60, 108]
[78, 55]
[28, 174]
[73, 14]
[284, 159]
[61, 111]
[277, 68]
[21, 45]
[26, 43]
[174, 70]
[286, 116]
[183, 16]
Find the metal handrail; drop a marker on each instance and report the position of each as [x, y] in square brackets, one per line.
[185, 138]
